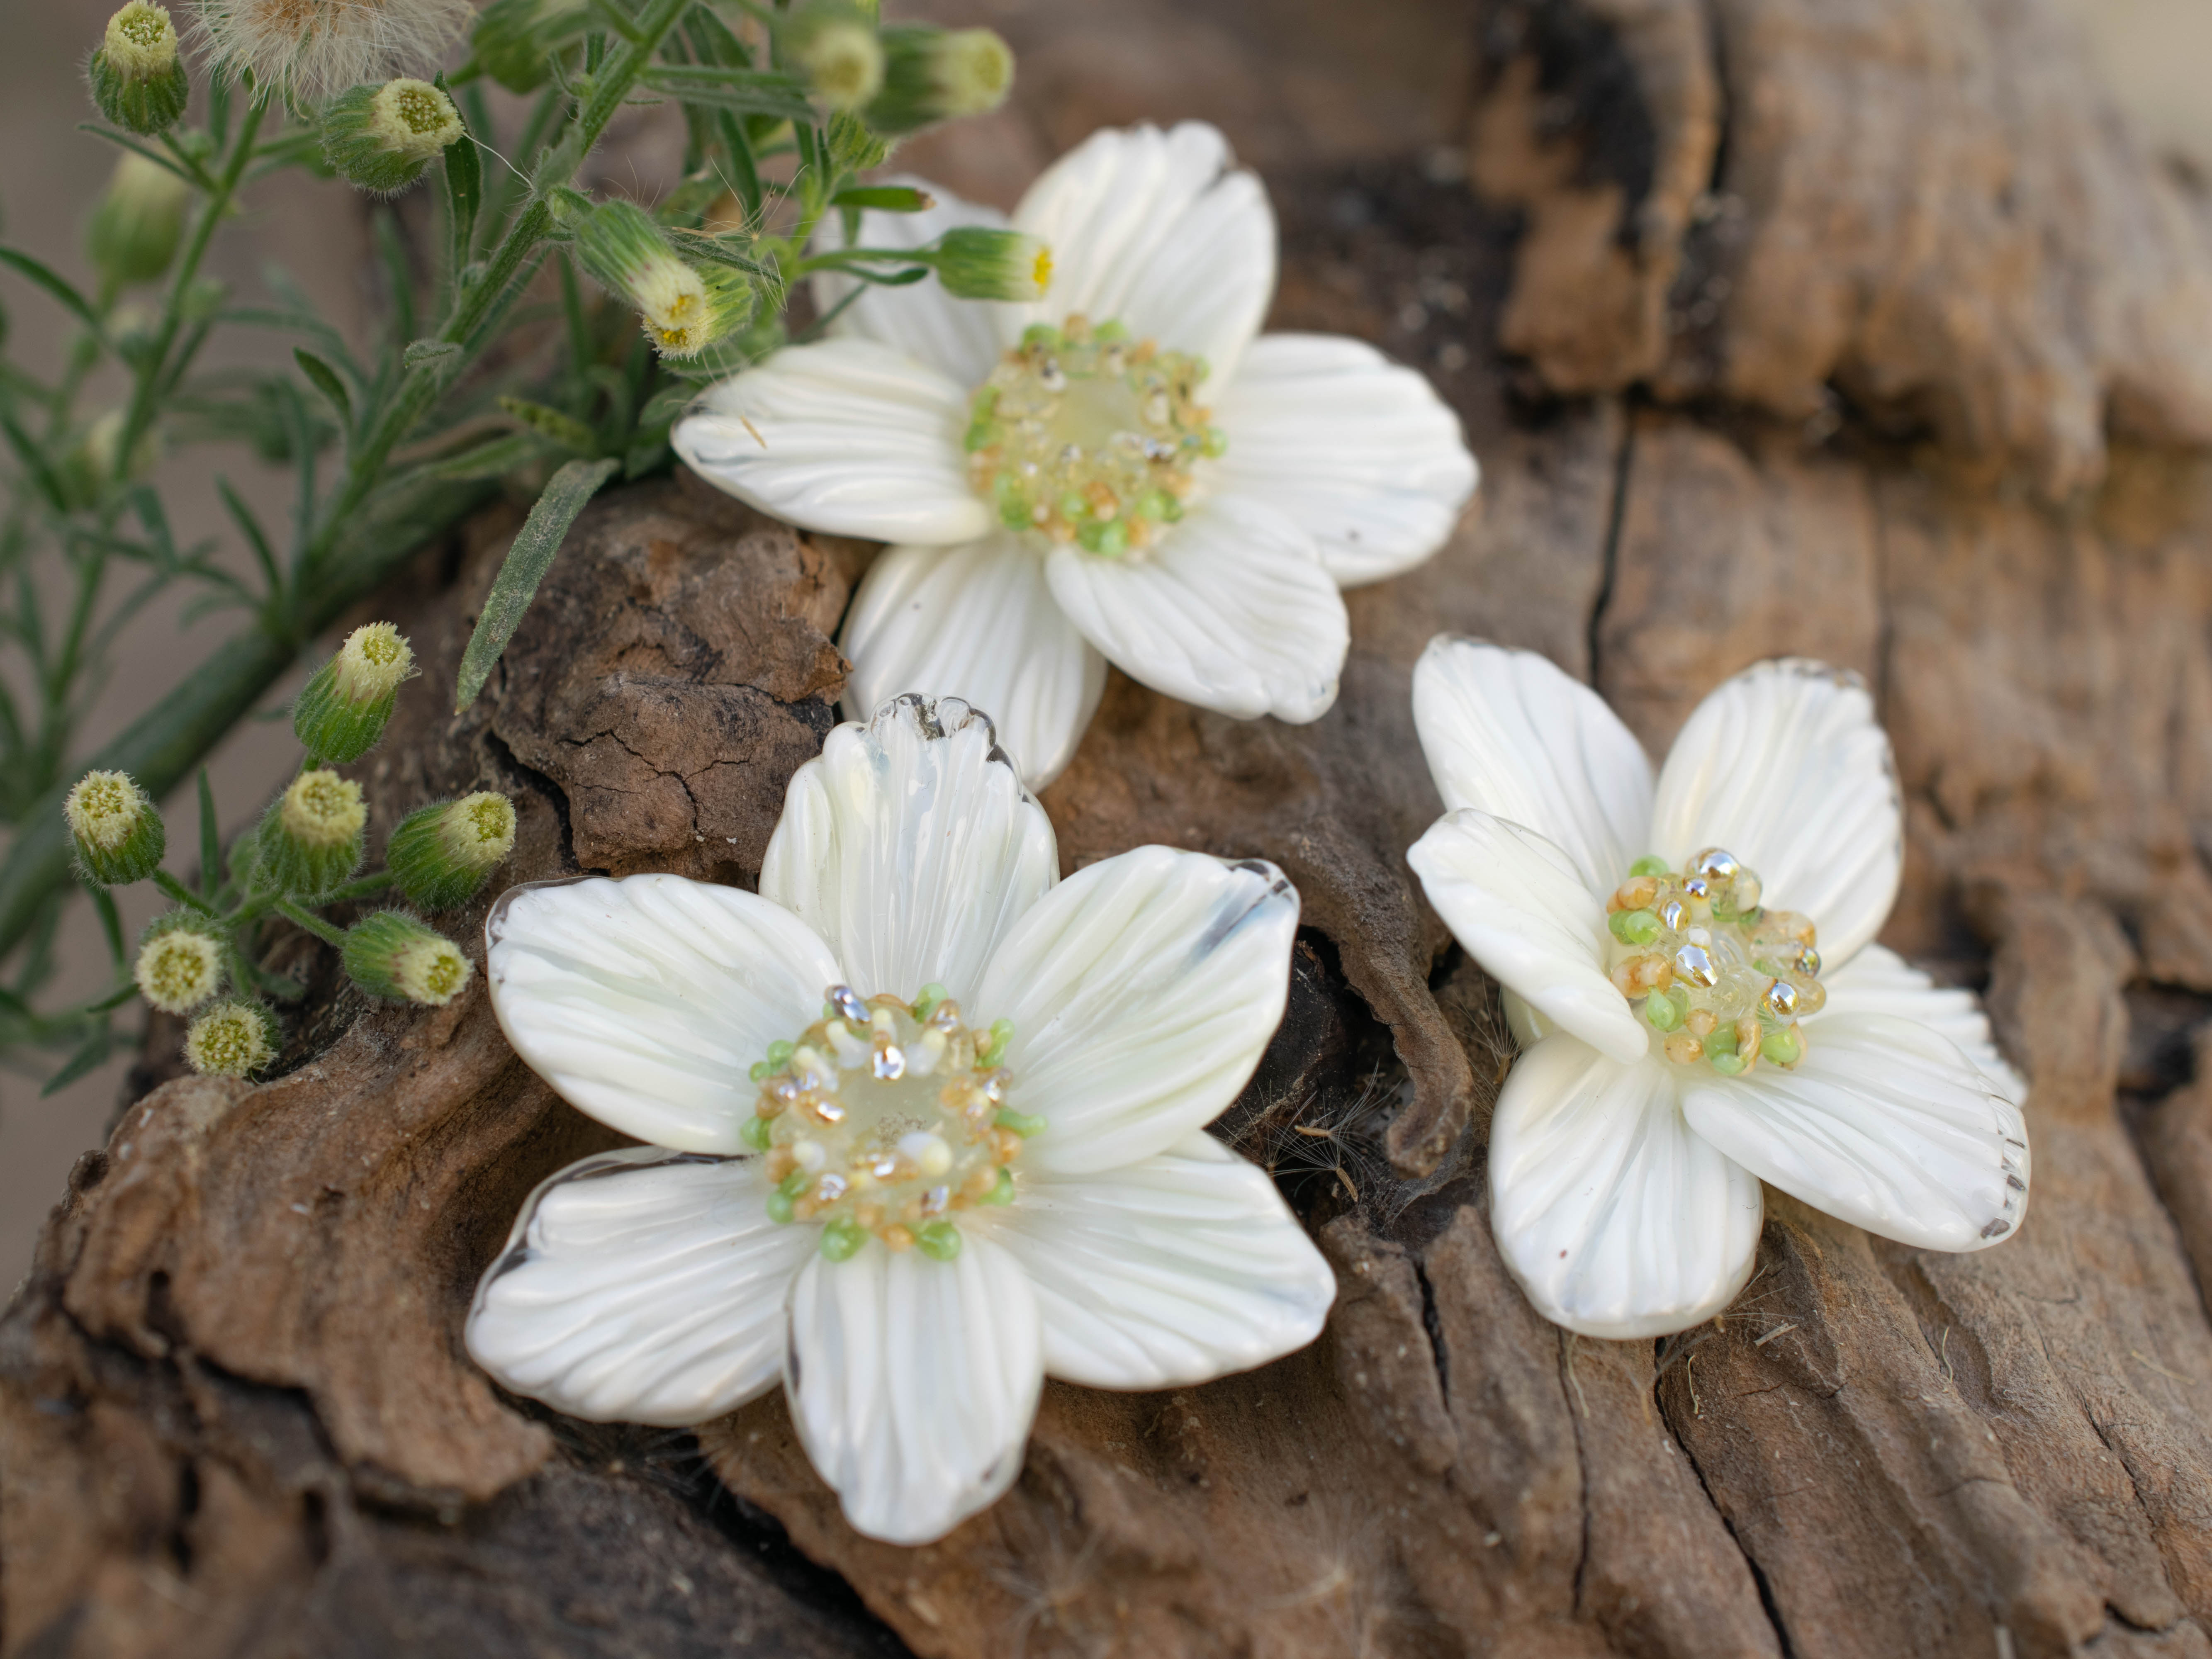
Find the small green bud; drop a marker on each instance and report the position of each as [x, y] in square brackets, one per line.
[515, 40]
[235, 1038]
[835, 46]
[395, 955]
[780, 1208]
[940, 1240]
[841, 1239]
[341, 712]
[90, 465]
[442, 854]
[975, 262]
[136, 229]
[1003, 1192]
[119, 836]
[1023, 1124]
[932, 75]
[1783, 1048]
[138, 81]
[853, 146]
[1728, 1064]
[683, 310]
[757, 1132]
[995, 1050]
[381, 138]
[310, 841]
[180, 962]
[1661, 1013]
[1649, 864]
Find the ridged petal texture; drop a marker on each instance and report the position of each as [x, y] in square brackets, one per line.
[644, 1001]
[959, 338]
[1142, 991]
[641, 1285]
[1180, 1267]
[1361, 452]
[1518, 905]
[1232, 610]
[1785, 766]
[1508, 732]
[976, 622]
[913, 1382]
[845, 436]
[1159, 231]
[1878, 981]
[910, 843]
[1616, 1219]
[1883, 1124]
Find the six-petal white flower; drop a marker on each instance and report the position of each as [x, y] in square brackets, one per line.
[1625, 1184]
[913, 1251]
[1057, 493]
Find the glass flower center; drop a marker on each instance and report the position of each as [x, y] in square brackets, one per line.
[1722, 978]
[1082, 434]
[885, 1119]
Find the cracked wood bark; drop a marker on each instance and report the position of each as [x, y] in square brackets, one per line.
[235, 1418]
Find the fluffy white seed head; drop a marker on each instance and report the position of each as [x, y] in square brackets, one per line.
[179, 970]
[309, 49]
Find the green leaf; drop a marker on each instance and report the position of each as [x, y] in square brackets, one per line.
[70, 299]
[110, 922]
[527, 561]
[210, 840]
[34, 463]
[133, 144]
[885, 198]
[749, 92]
[326, 382]
[429, 351]
[494, 459]
[464, 196]
[243, 514]
[563, 429]
[92, 1055]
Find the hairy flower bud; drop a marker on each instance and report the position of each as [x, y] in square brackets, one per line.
[136, 229]
[835, 46]
[396, 955]
[138, 81]
[854, 147]
[119, 836]
[932, 75]
[441, 854]
[341, 713]
[234, 1038]
[978, 263]
[514, 41]
[310, 841]
[684, 310]
[180, 962]
[381, 138]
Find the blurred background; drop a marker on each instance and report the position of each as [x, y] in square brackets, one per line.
[2150, 52]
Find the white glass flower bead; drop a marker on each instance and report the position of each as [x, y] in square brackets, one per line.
[1691, 972]
[1118, 472]
[926, 1124]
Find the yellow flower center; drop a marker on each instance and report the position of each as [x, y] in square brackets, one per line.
[1722, 978]
[886, 1119]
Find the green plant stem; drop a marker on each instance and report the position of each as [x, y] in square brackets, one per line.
[315, 924]
[183, 895]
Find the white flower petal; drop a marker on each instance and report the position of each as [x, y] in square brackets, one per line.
[1154, 229]
[641, 1285]
[1517, 903]
[978, 623]
[1878, 981]
[910, 842]
[1883, 1124]
[645, 1001]
[1785, 766]
[958, 337]
[1616, 1219]
[1360, 451]
[1232, 610]
[1508, 732]
[846, 436]
[1142, 991]
[913, 1382]
[1184, 1267]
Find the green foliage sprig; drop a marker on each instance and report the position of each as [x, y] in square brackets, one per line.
[463, 394]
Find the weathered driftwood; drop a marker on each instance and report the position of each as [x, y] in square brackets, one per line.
[1910, 341]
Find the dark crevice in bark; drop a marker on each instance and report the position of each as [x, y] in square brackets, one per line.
[551, 792]
[1438, 1353]
[1615, 515]
[1766, 1601]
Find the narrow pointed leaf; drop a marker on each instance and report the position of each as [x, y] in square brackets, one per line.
[527, 560]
